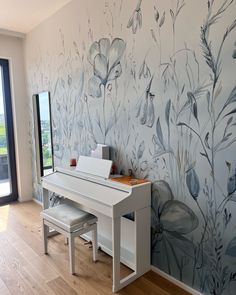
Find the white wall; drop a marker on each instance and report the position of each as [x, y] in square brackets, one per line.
[11, 48]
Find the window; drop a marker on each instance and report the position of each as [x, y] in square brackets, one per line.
[43, 133]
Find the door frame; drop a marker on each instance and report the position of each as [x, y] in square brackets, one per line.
[4, 64]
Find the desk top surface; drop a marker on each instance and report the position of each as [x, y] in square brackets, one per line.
[89, 189]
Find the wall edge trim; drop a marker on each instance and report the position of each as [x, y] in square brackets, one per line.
[175, 281]
[12, 33]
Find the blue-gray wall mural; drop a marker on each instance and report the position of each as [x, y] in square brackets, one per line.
[155, 80]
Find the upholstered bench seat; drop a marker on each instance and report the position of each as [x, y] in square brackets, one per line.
[68, 218]
[72, 222]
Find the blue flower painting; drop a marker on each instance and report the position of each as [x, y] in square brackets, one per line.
[105, 58]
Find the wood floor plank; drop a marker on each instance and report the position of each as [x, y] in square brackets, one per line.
[24, 266]
[25, 270]
[144, 284]
[45, 269]
[164, 284]
[61, 287]
[12, 280]
[37, 280]
[81, 281]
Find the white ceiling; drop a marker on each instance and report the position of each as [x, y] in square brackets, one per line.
[23, 15]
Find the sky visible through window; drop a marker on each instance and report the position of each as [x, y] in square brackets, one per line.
[1, 94]
[44, 106]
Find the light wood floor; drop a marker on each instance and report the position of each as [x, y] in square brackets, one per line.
[24, 269]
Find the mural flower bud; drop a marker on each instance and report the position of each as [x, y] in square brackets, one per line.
[192, 182]
[231, 185]
[136, 19]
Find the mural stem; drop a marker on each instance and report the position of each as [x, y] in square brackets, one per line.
[173, 28]
[90, 121]
[167, 255]
[160, 48]
[213, 142]
[104, 114]
[200, 244]
[177, 261]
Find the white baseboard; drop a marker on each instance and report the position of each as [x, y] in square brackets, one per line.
[175, 281]
[38, 202]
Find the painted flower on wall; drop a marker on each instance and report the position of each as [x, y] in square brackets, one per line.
[105, 58]
[171, 221]
[135, 20]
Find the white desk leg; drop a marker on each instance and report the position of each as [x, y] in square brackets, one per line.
[116, 253]
[142, 249]
[142, 240]
[45, 199]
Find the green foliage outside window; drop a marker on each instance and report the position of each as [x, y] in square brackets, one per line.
[3, 139]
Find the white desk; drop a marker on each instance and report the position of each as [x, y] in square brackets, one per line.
[113, 200]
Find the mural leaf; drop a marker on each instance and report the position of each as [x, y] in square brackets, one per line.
[167, 112]
[178, 217]
[228, 164]
[135, 20]
[157, 14]
[233, 197]
[183, 244]
[209, 102]
[218, 91]
[141, 149]
[228, 145]
[159, 136]
[153, 35]
[182, 124]
[143, 119]
[193, 184]
[150, 112]
[203, 154]
[232, 96]
[162, 20]
[231, 249]
[161, 193]
[231, 184]
[206, 140]
[231, 112]
[195, 112]
[193, 104]
[172, 14]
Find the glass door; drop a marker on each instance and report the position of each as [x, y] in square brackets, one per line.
[8, 182]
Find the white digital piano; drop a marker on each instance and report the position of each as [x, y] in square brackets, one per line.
[89, 185]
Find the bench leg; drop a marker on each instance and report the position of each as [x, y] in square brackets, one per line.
[45, 230]
[72, 254]
[95, 243]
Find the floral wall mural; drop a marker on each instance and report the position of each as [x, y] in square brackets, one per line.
[156, 81]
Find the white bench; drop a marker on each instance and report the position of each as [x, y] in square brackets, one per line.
[71, 222]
